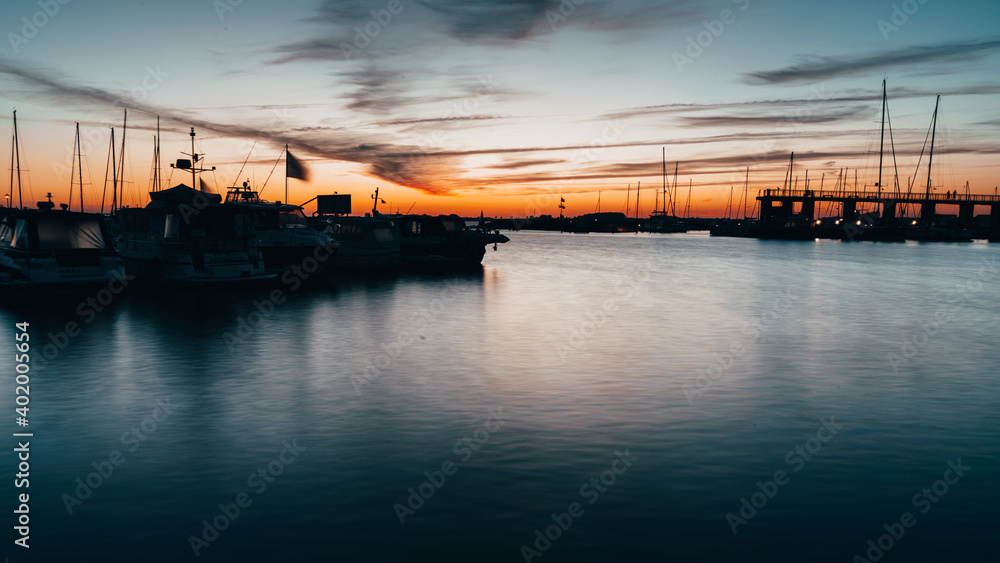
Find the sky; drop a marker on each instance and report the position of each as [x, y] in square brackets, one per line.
[449, 106]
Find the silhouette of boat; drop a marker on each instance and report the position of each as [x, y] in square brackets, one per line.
[189, 236]
[368, 243]
[284, 234]
[47, 250]
[442, 241]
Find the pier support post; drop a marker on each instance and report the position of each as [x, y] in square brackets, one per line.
[928, 209]
[966, 214]
[850, 208]
[889, 212]
[809, 208]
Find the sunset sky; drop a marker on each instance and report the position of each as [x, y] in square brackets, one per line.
[451, 106]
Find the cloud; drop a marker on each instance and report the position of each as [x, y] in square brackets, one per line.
[812, 118]
[815, 68]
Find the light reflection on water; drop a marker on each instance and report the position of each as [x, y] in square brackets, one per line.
[587, 345]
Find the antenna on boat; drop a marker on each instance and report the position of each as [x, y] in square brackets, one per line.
[192, 165]
[376, 202]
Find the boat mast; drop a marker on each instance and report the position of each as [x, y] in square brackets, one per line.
[79, 169]
[121, 176]
[930, 158]
[881, 146]
[637, 186]
[673, 199]
[664, 180]
[746, 194]
[156, 157]
[17, 160]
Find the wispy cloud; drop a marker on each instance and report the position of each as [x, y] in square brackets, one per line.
[816, 69]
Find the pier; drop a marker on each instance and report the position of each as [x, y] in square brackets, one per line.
[784, 207]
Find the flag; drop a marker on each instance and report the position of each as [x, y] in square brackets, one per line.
[561, 200]
[294, 168]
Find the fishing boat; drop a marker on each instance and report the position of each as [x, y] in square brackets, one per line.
[188, 236]
[47, 250]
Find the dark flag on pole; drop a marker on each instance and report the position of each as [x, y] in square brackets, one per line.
[294, 168]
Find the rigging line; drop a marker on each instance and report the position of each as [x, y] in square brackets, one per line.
[271, 172]
[238, 174]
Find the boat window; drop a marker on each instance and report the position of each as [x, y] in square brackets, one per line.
[21, 235]
[383, 234]
[172, 226]
[69, 232]
[293, 219]
[6, 234]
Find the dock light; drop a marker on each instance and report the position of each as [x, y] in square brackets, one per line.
[913, 223]
[858, 223]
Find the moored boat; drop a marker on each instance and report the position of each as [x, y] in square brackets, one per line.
[284, 233]
[45, 250]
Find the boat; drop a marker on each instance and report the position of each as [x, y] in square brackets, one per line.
[188, 236]
[284, 234]
[442, 241]
[367, 244]
[49, 251]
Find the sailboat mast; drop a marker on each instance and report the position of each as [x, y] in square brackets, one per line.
[746, 193]
[17, 160]
[156, 173]
[286, 179]
[881, 146]
[114, 172]
[664, 180]
[930, 158]
[637, 186]
[115, 202]
[79, 167]
[673, 199]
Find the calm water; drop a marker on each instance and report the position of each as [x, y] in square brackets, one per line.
[582, 346]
